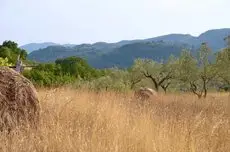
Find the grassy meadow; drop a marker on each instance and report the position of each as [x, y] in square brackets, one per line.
[85, 121]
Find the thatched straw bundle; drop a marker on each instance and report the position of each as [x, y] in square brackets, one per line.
[19, 104]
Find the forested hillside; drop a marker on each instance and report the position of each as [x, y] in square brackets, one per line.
[105, 58]
[124, 56]
[123, 53]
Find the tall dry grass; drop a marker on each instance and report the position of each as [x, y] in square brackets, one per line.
[84, 121]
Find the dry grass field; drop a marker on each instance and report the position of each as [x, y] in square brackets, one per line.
[84, 121]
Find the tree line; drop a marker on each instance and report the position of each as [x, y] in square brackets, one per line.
[205, 71]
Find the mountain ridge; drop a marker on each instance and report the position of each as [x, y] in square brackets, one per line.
[122, 53]
[173, 37]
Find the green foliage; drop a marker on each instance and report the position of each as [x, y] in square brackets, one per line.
[48, 75]
[186, 72]
[197, 73]
[62, 72]
[4, 62]
[134, 74]
[10, 50]
[159, 73]
[77, 67]
[222, 64]
[115, 79]
[207, 69]
[187, 67]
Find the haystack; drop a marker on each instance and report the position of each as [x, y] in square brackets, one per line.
[19, 104]
[145, 94]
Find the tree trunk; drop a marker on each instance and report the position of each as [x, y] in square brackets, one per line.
[195, 90]
[132, 86]
[157, 87]
[165, 89]
[199, 96]
[205, 88]
[155, 84]
[133, 83]
[205, 91]
[149, 76]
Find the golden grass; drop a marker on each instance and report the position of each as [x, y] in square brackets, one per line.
[84, 121]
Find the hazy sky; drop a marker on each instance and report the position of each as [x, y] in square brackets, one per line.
[88, 21]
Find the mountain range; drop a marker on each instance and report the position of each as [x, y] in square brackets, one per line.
[122, 54]
[36, 46]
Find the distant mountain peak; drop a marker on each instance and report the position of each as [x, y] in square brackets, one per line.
[36, 46]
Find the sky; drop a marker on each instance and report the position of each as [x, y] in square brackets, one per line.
[90, 21]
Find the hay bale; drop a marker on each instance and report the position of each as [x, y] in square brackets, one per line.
[19, 104]
[145, 94]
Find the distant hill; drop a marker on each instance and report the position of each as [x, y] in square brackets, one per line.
[175, 38]
[51, 53]
[36, 46]
[214, 38]
[122, 54]
[106, 58]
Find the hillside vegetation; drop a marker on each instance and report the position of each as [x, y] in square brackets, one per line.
[108, 58]
[194, 72]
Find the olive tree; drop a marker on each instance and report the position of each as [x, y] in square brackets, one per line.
[207, 69]
[135, 75]
[169, 69]
[196, 72]
[223, 62]
[116, 79]
[159, 73]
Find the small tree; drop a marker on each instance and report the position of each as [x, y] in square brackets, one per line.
[197, 73]
[187, 72]
[135, 76]
[76, 66]
[114, 79]
[169, 70]
[156, 72]
[11, 50]
[223, 62]
[207, 69]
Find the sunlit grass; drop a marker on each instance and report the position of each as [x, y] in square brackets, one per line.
[84, 121]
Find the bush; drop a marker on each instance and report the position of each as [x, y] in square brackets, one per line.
[4, 62]
[48, 79]
[62, 72]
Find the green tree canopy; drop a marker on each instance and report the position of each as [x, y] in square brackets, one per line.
[196, 72]
[77, 66]
[159, 73]
[222, 63]
[10, 50]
